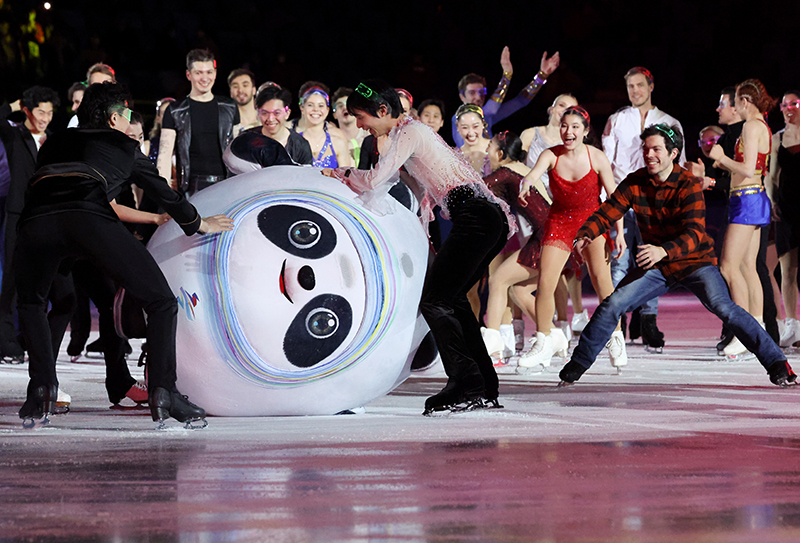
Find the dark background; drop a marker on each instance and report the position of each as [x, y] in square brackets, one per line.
[692, 48]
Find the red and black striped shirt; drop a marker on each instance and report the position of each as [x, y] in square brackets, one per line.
[671, 214]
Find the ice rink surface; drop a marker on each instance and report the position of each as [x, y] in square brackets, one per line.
[682, 446]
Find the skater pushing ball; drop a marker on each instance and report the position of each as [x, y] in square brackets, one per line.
[68, 216]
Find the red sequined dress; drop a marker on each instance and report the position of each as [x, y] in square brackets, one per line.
[505, 183]
[573, 203]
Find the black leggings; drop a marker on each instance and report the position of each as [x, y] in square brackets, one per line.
[479, 233]
[45, 241]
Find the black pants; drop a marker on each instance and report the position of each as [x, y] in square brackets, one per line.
[45, 241]
[8, 292]
[478, 235]
[101, 289]
[770, 313]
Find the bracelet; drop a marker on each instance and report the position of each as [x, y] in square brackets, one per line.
[507, 74]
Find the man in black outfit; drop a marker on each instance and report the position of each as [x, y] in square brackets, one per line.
[201, 126]
[22, 143]
[67, 215]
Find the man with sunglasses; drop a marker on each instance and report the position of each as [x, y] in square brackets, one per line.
[272, 108]
[68, 215]
[472, 90]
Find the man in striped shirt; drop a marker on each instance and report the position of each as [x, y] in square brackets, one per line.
[670, 211]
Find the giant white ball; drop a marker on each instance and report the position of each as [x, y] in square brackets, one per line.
[309, 306]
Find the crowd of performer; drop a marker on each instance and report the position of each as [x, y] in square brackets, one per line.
[522, 218]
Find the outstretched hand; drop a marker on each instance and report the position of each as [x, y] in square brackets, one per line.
[215, 224]
[549, 65]
[505, 60]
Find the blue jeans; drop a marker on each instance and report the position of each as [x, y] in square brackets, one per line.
[621, 267]
[709, 287]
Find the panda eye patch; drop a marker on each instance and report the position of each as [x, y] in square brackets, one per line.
[317, 330]
[297, 230]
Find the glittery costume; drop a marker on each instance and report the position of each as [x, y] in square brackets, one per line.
[573, 203]
[505, 183]
[437, 167]
[487, 165]
[749, 204]
[787, 197]
[322, 160]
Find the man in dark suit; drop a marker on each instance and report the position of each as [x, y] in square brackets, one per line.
[22, 142]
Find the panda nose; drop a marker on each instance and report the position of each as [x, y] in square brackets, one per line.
[306, 278]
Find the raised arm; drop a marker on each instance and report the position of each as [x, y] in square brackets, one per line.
[545, 163]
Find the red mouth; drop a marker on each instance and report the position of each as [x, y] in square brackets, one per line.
[282, 282]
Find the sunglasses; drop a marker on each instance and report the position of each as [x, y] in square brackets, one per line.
[709, 142]
[794, 104]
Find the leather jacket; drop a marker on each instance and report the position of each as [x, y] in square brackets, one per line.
[183, 127]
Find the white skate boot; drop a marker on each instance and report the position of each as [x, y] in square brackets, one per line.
[617, 351]
[545, 347]
[791, 333]
[735, 350]
[509, 342]
[494, 344]
[565, 328]
[579, 322]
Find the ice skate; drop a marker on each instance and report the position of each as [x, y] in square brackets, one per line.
[509, 341]
[11, 352]
[94, 349]
[579, 322]
[519, 335]
[781, 374]
[40, 404]
[165, 404]
[724, 340]
[565, 328]
[545, 347]
[494, 346]
[790, 334]
[570, 373]
[736, 351]
[652, 337]
[63, 400]
[616, 350]
[137, 393]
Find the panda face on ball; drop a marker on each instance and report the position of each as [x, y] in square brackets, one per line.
[300, 266]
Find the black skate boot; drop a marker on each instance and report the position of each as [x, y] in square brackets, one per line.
[165, 404]
[570, 373]
[652, 337]
[11, 352]
[41, 403]
[724, 339]
[95, 349]
[635, 328]
[781, 374]
[75, 349]
[455, 398]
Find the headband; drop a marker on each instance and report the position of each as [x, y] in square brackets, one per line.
[407, 94]
[315, 90]
[641, 70]
[667, 131]
[469, 108]
[578, 110]
[369, 94]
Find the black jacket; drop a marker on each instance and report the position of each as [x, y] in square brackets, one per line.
[83, 169]
[22, 153]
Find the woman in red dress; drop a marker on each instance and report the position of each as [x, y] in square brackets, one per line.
[576, 195]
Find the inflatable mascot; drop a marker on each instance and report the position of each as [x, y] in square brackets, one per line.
[307, 307]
